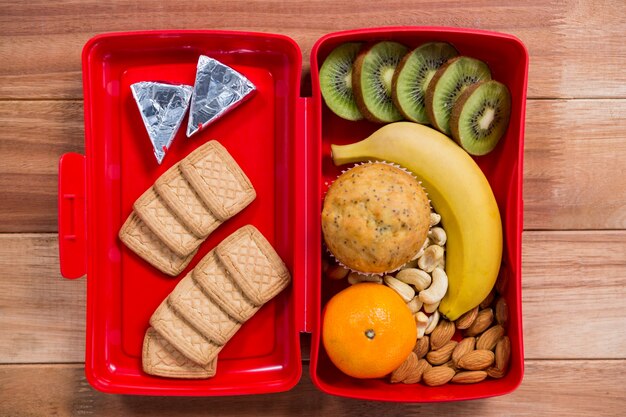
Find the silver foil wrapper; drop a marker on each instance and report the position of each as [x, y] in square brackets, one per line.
[163, 108]
[218, 89]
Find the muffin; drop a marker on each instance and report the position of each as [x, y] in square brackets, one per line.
[375, 218]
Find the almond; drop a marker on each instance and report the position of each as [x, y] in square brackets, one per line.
[441, 355]
[442, 334]
[482, 322]
[494, 372]
[501, 282]
[415, 374]
[469, 377]
[477, 360]
[403, 371]
[490, 337]
[489, 299]
[337, 272]
[502, 311]
[465, 346]
[421, 347]
[503, 353]
[467, 319]
[438, 375]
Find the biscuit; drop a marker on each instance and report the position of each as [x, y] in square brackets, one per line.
[180, 197]
[218, 180]
[182, 335]
[201, 312]
[140, 239]
[160, 358]
[163, 223]
[253, 264]
[211, 275]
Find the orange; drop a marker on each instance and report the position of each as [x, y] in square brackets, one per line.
[368, 330]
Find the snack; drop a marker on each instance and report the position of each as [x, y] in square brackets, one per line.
[336, 81]
[162, 108]
[375, 218]
[480, 116]
[220, 183]
[372, 78]
[140, 239]
[201, 312]
[460, 193]
[192, 320]
[165, 224]
[180, 213]
[184, 337]
[367, 330]
[181, 198]
[447, 84]
[217, 90]
[160, 358]
[413, 75]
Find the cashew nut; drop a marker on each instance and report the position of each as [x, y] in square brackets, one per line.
[410, 264]
[434, 219]
[419, 253]
[431, 257]
[431, 308]
[438, 236]
[414, 305]
[422, 321]
[406, 292]
[437, 289]
[355, 278]
[416, 277]
[432, 322]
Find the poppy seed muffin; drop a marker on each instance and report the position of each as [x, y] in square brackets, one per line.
[375, 218]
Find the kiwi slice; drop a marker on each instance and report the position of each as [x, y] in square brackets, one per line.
[336, 81]
[413, 75]
[447, 84]
[480, 116]
[372, 80]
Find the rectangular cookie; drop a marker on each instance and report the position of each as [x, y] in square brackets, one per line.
[182, 335]
[253, 264]
[185, 203]
[213, 278]
[201, 312]
[163, 223]
[218, 180]
[140, 239]
[160, 358]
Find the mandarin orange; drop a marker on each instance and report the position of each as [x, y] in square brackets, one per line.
[368, 330]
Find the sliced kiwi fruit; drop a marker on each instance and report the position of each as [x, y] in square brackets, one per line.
[413, 75]
[372, 80]
[447, 84]
[336, 81]
[480, 116]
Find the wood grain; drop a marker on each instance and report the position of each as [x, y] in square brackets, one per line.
[574, 287]
[549, 388]
[33, 137]
[574, 153]
[576, 46]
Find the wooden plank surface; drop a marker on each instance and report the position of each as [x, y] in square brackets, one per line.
[574, 287]
[574, 158]
[550, 388]
[576, 46]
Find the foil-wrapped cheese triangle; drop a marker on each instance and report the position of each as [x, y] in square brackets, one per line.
[162, 108]
[218, 89]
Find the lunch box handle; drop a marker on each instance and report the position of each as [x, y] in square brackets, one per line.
[72, 215]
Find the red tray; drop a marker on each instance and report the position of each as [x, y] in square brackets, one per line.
[282, 142]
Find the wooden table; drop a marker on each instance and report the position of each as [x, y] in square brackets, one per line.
[574, 244]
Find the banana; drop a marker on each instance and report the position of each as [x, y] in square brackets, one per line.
[459, 192]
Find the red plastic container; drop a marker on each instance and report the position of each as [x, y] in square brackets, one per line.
[282, 142]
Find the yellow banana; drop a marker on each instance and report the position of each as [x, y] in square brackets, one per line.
[459, 192]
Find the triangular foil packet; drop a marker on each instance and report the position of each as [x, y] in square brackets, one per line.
[162, 108]
[218, 89]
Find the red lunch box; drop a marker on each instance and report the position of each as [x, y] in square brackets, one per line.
[282, 143]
